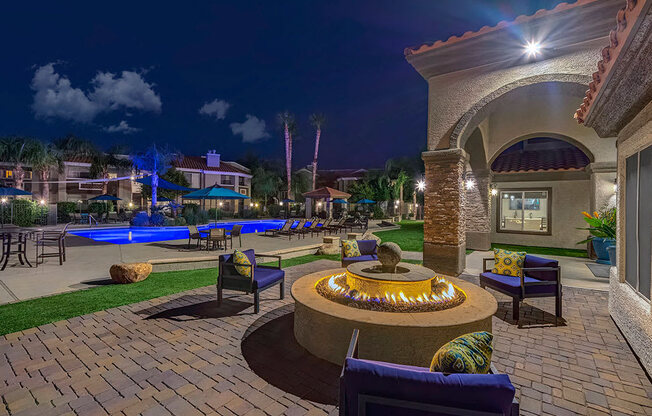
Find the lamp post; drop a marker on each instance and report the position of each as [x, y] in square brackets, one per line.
[421, 186]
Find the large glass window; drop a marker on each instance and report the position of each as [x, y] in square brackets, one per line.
[524, 211]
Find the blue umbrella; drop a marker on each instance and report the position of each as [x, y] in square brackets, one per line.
[366, 201]
[340, 201]
[215, 192]
[286, 200]
[13, 192]
[105, 197]
[163, 199]
[162, 183]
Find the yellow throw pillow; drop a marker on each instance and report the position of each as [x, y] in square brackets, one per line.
[508, 263]
[470, 353]
[351, 248]
[241, 258]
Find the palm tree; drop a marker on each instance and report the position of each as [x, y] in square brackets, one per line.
[101, 164]
[317, 120]
[287, 122]
[156, 162]
[18, 151]
[72, 145]
[45, 158]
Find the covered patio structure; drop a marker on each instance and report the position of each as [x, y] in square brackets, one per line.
[326, 193]
[506, 162]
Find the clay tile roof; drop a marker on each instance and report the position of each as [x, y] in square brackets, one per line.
[199, 162]
[79, 159]
[617, 36]
[567, 158]
[500, 25]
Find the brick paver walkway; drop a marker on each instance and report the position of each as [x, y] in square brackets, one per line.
[182, 355]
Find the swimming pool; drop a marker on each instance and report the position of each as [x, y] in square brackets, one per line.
[120, 235]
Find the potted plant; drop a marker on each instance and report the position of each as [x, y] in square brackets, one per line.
[602, 226]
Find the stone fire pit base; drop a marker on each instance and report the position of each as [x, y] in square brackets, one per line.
[324, 327]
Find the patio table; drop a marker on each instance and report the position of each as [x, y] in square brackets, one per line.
[14, 242]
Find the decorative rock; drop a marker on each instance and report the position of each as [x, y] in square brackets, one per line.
[130, 272]
[389, 255]
[331, 246]
[368, 235]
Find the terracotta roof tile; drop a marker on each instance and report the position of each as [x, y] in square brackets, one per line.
[617, 36]
[500, 25]
[566, 158]
[199, 162]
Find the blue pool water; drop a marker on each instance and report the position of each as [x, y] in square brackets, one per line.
[120, 235]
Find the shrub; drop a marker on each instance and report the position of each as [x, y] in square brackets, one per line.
[140, 220]
[97, 208]
[157, 219]
[250, 214]
[274, 210]
[25, 213]
[189, 207]
[180, 221]
[64, 209]
[215, 214]
[378, 212]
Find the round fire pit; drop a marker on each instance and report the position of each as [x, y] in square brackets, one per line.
[404, 331]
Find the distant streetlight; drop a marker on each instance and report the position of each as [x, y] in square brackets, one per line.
[532, 48]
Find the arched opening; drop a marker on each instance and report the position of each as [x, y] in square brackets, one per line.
[540, 154]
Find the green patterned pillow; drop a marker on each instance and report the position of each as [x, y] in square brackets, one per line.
[470, 353]
[241, 258]
[351, 248]
[508, 263]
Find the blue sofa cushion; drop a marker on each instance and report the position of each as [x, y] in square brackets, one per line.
[264, 277]
[489, 392]
[367, 246]
[512, 284]
[534, 261]
[366, 257]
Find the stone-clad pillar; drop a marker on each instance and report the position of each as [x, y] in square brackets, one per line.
[477, 209]
[444, 240]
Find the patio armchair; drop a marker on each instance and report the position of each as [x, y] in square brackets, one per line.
[272, 232]
[236, 231]
[55, 239]
[540, 277]
[112, 216]
[262, 277]
[368, 252]
[379, 388]
[195, 234]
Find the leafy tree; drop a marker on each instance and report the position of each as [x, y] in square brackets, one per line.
[300, 185]
[102, 162]
[18, 151]
[265, 183]
[317, 121]
[46, 157]
[155, 161]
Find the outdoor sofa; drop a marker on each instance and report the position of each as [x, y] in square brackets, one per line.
[540, 277]
[379, 388]
[368, 252]
[262, 277]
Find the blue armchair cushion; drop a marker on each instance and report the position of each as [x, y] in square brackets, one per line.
[366, 257]
[483, 392]
[367, 247]
[351, 248]
[469, 353]
[512, 284]
[241, 258]
[265, 277]
[534, 261]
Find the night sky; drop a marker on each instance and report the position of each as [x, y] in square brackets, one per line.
[214, 75]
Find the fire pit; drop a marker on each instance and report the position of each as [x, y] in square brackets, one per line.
[403, 315]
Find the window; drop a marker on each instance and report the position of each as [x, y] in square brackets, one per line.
[242, 181]
[228, 180]
[638, 221]
[524, 211]
[244, 191]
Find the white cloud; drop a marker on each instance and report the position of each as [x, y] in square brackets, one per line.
[217, 108]
[55, 97]
[122, 127]
[252, 130]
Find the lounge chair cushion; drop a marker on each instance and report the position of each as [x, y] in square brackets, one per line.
[366, 257]
[469, 353]
[489, 392]
[265, 277]
[241, 258]
[367, 246]
[351, 248]
[534, 261]
[512, 284]
[508, 262]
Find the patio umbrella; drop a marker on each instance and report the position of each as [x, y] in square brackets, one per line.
[215, 192]
[105, 197]
[13, 192]
[340, 201]
[163, 199]
[286, 200]
[366, 201]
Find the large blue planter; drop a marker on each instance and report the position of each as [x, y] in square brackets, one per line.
[600, 246]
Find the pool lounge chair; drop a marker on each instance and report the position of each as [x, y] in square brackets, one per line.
[380, 388]
[272, 232]
[306, 229]
[336, 228]
[321, 228]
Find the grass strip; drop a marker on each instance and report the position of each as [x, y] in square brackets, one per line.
[550, 251]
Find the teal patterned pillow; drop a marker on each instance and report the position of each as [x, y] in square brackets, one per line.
[470, 353]
[241, 258]
[351, 248]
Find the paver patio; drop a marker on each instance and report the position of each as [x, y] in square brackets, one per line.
[182, 355]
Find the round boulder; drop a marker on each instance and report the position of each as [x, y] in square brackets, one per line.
[389, 255]
[130, 272]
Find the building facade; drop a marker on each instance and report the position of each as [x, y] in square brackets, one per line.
[340, 179]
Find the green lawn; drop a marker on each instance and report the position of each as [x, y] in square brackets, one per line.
[409, 237]
[30, 313]
[551, 251]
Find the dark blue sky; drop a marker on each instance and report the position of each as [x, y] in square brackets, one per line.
[342, 58]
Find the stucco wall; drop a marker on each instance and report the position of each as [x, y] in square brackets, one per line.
[631, 312]
[569, 199]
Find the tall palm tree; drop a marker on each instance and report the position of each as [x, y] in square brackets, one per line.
[155, 161]
[101, 164]
[317, 120]
[287, 122]
[46, 156]
[18, 151]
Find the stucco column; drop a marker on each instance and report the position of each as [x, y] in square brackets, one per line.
[444, 240]
[477, 209]
[602, 178]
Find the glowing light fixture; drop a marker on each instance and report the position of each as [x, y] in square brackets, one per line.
[421, 185]
[494, 191]
[131, 204]
[42, 202]
[470, 184]
[132, 178]
[4, 200]
[533, 48]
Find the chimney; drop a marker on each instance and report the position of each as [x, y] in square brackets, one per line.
[213, 159]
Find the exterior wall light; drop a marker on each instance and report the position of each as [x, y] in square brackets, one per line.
[470, 184]
[4, 200]
[131, 204]
[42, 202]
[615, 185]
[221, 203]
[494, 191]
[532, 48]
[421, 185]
